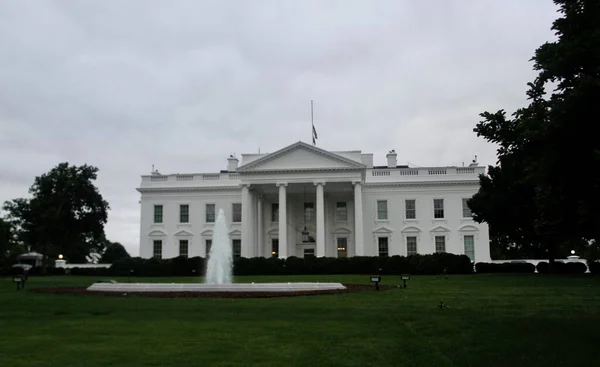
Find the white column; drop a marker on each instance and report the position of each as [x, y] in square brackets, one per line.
[246, 221]
[282, 220]
[320, 220]
[359, 249]
[260, 227]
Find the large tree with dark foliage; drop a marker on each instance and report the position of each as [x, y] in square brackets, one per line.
[544, 193]
[65, 215]
[114, 251]
[6, 240]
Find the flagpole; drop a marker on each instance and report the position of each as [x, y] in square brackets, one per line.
[312, 123]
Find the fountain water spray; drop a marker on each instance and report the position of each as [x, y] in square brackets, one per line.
[219, 271]
[220, 258]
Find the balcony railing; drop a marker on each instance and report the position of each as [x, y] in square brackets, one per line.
[226, 178]
[435, 171]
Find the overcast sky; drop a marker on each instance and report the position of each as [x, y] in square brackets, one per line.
[122, 85]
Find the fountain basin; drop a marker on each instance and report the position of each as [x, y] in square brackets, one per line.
[203, 287]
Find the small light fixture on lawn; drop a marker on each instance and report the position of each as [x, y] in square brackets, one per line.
[376, 279]
[404, 278]
[60, 256]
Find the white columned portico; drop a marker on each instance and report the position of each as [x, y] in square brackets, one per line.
[260, 226]
[320, 220]
[282, 220]
[359, 248]
[247, 244]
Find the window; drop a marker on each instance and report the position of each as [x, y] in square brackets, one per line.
[275, 212]
[309, 212]
[411, 245]
[184, 213]
[309, 252]
[383, 246]
[210, 213]
[237, 248]
[470, 247]
[208, 246]
[440, 243]
[411, 209]
[382, 213]
[157, 249]
[466, 210]
[342, 247]
[438, 208]
[236, 209]
[275, 247]
[158, 213]
[183, 248]
[341, 211]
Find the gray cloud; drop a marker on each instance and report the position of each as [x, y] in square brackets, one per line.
[124, 85]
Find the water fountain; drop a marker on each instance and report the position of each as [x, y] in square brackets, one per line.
[218, 274]
[220, 258]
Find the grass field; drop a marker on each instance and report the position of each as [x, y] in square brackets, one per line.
[492, 320]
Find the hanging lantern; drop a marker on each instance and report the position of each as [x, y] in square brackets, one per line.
[305, 237]
[305, 234]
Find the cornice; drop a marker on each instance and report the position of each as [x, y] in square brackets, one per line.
[301, 170]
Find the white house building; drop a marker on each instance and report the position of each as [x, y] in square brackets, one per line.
[303, 200]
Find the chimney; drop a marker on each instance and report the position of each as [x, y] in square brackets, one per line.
[391, 159]
[232, 163]
[474, 163]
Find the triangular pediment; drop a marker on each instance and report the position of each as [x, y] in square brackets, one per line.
[300, 156]
[382, 229]
[342, 230]
[157, 232]
[183, 232]
[440, 229]
[411, 229]
[468, 228]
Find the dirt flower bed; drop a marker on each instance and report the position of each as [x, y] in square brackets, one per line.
[84, 291]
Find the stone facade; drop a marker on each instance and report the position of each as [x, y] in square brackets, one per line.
[344, 205]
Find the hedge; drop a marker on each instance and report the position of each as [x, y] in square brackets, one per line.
[394, 265]
[560, 267]
[504, 268]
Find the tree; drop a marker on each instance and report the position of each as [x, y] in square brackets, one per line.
[114, 251]
[543, 193]
[6, 233]
[65, 215]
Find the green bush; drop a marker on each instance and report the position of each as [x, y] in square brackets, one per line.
[506, 268]
[367, 265]
[559, 267]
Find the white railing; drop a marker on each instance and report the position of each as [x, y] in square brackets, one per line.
[211, 176]
[425, 171]
[225, 176]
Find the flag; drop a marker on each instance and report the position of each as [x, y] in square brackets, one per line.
[314, 135]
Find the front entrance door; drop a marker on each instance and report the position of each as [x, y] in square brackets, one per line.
[309, 252]
[305, 249]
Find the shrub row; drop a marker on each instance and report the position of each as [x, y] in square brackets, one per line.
[559, 267]
[181, 266]
[542, 268]
[504, 268]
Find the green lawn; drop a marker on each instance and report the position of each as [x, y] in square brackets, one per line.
[492, 320]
